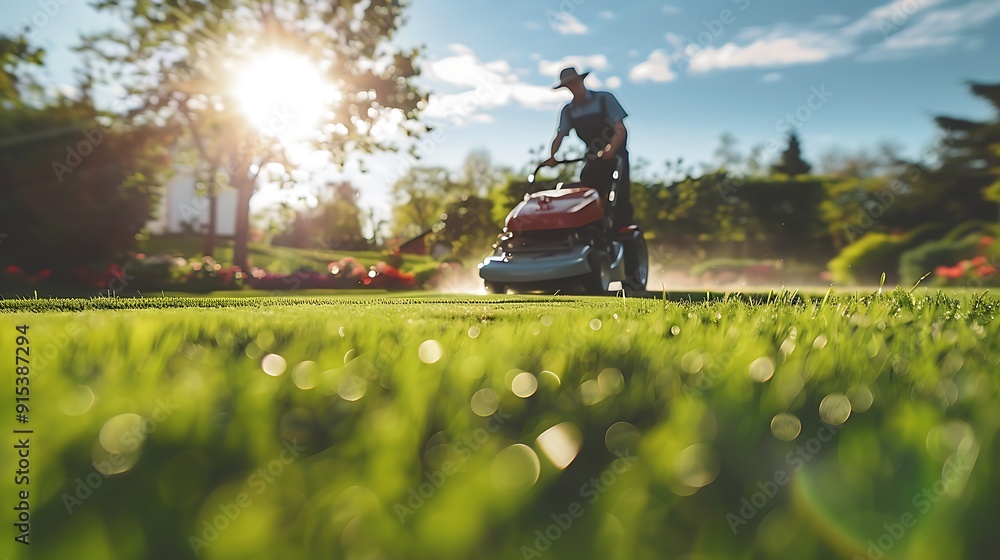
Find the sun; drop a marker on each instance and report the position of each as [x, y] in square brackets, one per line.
[283, 94]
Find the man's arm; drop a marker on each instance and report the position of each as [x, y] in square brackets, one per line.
[616, 140]
[616, 114]
[556, 143]
[562, 131]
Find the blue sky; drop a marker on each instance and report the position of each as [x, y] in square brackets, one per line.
[686, 71]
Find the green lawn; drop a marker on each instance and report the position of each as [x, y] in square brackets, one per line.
[367, 426]
[284, 260]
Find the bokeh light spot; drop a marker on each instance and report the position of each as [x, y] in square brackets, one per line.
[516, 468]
[561, 444]
[485, 402]
[834, 409]
[430, 351]
[524, 385]
[786, 426]
[273, 365]
[761, 370]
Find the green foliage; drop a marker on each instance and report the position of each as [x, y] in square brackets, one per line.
[468, 226]
[424, 406]
[965, 184]
[183, 72]
[784, 217]
[15, 52]
[916, 262]
[334, 225]
[791, 163]
[75, 192]
[967, 229]
[864, 261]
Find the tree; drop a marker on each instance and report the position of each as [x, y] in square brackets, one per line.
[727, 155]
[969, 172]
[420, 197]
[334, 224]
[75, 192]
[479, 175]
[791, 162]
[15, 52]
[179, 60]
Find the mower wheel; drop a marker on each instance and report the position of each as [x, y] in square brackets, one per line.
[636, 264]
[598, 280]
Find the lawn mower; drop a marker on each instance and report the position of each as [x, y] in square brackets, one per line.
[561, 239]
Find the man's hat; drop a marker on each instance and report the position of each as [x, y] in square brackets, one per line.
[568, 75]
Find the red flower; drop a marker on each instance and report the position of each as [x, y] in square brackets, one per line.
[949, 272]
[14, 270]
[978, 261]
[44, 274]
[986, 241]
[986, 271]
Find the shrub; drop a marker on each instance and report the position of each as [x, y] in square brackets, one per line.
[866, 259]
[917, 262]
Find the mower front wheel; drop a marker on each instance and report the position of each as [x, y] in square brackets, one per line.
[636, 264]
[598, 280]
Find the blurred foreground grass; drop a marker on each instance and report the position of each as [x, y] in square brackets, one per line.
[510, 427]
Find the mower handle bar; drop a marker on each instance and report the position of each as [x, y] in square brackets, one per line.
[534, 174]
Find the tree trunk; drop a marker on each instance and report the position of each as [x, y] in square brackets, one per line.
[213, 217]
[244, 191]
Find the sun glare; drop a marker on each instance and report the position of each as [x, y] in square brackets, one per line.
[283, 94]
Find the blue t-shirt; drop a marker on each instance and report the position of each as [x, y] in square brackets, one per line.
[591, 106]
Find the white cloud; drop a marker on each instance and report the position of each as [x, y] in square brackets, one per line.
[656, 68]
[938, 29]
[531, 25]
[465, 69]
[905, 25]
[777, 50]
[583, 63]
[614, 82]
[896, 12]
[670, 9]
[483, 86]
[565, 23]
[607, 15]
[772, 77]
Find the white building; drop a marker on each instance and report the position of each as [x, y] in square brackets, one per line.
[182, 210]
